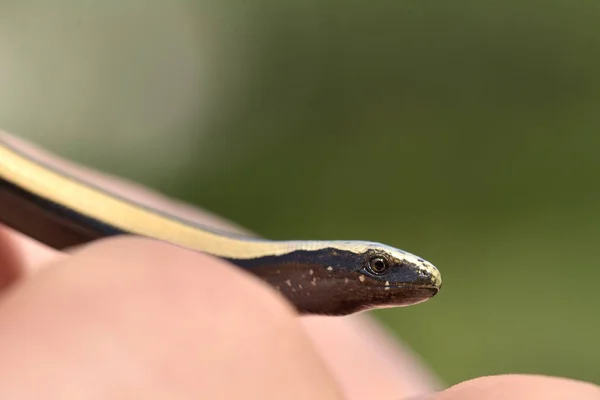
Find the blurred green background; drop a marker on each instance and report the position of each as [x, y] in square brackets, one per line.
[465, 132]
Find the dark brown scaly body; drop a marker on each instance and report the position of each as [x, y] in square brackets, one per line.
[317, 277]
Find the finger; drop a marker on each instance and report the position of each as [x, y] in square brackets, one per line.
[10, 260]
[372, 363]
[175, 324]
[20, 256]
[526, 387]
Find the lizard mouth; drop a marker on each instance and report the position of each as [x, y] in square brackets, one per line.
[405, 295]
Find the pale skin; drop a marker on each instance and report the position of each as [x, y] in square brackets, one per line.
[135, 318]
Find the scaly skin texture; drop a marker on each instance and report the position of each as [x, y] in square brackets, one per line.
[317, 277]
[335, 282]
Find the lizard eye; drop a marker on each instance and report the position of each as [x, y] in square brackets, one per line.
[377, 265]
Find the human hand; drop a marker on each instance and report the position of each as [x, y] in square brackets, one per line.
[133, 317]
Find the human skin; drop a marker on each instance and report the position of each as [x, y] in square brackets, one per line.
[136, 318]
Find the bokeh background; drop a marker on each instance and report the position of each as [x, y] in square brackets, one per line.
[466, 132]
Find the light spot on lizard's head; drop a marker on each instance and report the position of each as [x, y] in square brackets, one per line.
[390, 276]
